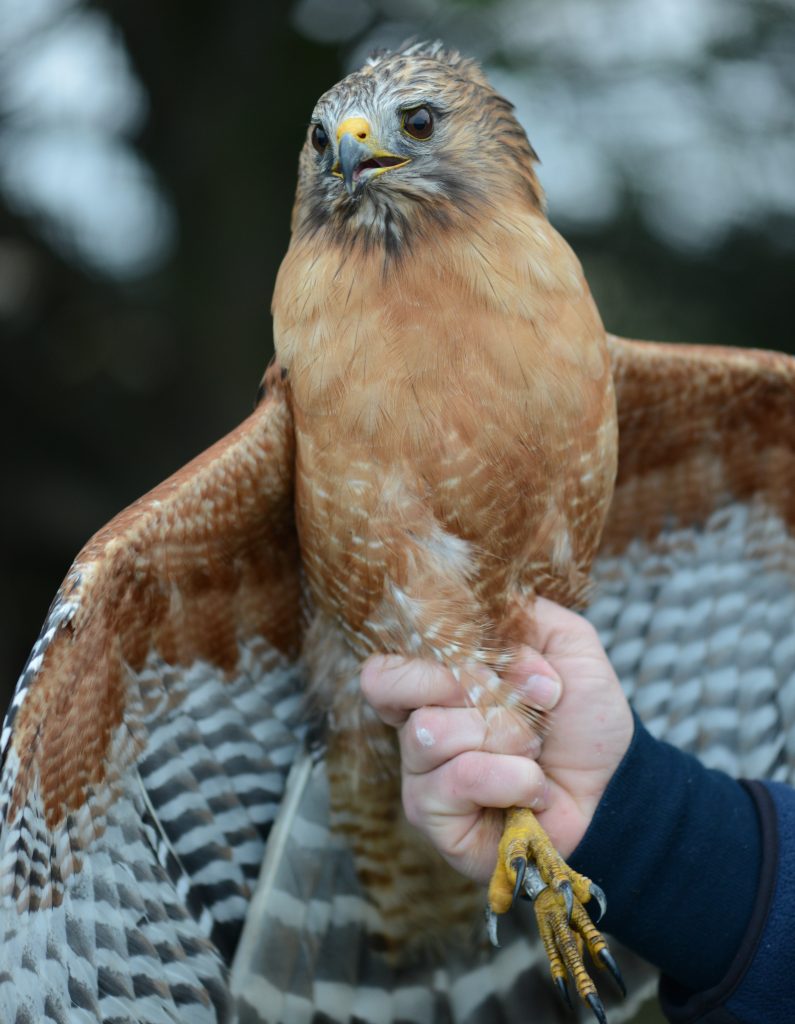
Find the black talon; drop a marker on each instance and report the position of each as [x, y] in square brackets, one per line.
[563, 991]
[601, 899]
[612, 968]
[491, 927]
[568, 895]
[598, 1010]
[519, 864]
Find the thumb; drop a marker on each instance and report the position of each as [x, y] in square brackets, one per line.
[554, 630]
[534, 679]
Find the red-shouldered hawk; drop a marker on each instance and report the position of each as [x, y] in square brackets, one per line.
[437, 443]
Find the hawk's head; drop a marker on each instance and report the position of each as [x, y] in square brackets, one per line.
[414, 140]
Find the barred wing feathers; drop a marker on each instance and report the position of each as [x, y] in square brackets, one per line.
[146, 748]
[306, 956]
[694, 592]
[132, 901]
[695, 599]
[695, 595]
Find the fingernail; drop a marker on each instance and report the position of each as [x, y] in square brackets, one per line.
[542, 691]
[541, 802]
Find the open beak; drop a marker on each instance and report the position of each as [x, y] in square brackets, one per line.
[358, 159]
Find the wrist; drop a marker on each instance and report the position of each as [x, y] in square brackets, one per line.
[567, 816]
[576, 793]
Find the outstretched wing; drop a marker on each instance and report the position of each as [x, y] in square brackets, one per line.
[147, 745]
[695, 595]
[695, 580]
[695, 599]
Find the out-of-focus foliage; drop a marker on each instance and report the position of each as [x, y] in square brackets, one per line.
[147, 168]
[685, 110]
[147, 164]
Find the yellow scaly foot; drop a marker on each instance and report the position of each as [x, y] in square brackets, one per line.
[529, 865]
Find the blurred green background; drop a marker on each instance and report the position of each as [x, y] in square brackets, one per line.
[147, 164]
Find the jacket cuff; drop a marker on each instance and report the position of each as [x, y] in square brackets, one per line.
[677, 848]
[758, 983]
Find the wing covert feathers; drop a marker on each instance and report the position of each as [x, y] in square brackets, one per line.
[145, 754]
[695, 581]
[694, 598]
[699, 426]
[147, 744]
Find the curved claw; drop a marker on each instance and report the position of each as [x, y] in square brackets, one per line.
[612, 968]
[598, 894]
[563, 992]
[598, 1009]
[491, 927]
[519, 865]
[567, 893]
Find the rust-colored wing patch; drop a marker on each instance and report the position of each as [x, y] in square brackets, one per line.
[699, 426]
[694, 585]
[146, 747]
[695, 581]
[206, 560]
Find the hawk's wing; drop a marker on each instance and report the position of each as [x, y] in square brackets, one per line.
[146, 748]
[695, 580]
[695, 595]
[695, 599]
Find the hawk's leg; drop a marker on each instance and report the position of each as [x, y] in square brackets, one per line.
[528, 864]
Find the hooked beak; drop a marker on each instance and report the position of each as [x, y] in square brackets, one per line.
[352, 154]
[359, 160]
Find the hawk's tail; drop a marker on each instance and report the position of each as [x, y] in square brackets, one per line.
[305, 955]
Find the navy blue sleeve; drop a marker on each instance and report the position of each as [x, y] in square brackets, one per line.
[697, 883]
[759, 986]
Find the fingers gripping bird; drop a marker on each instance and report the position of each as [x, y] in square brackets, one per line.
[446, 433]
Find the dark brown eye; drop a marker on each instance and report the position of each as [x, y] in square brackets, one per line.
[418, 123]
[319, 138]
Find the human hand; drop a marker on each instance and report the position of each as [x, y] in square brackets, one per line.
[458, 767]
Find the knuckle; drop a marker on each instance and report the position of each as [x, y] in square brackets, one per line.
[413, 806]
[425, 728]
[372, 685]
[446, 842]
[467, 771]
[368, 681]
[423, 718]
[587, 630]
[532, 782]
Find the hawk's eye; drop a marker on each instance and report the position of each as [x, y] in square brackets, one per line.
[418, 123]
[319, 138]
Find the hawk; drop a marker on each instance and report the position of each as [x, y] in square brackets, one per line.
[447, 432]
